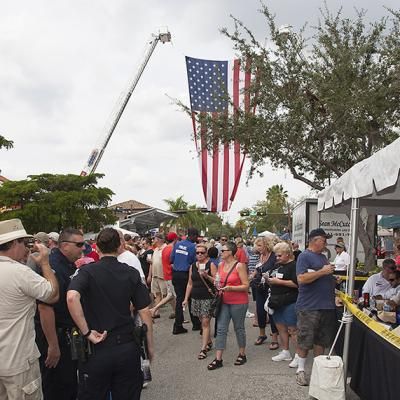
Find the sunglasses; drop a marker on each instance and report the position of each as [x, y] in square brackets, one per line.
[200, 252]
[224, 250]
[391, 268]
[77, 244]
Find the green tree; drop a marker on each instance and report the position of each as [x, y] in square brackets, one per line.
[189, 215]
[322, 104]
[51, 202]
[8, 144]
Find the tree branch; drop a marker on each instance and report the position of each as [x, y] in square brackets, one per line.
[303, 179]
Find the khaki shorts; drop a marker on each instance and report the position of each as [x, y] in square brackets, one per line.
[25, 386]
[158, 285]
[170, 289]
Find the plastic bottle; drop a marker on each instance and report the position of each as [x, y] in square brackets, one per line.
[217, 281]
[146, 370]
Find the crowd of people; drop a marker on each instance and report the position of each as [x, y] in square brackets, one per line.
[70, 307]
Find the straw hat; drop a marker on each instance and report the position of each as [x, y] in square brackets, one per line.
[12, 229]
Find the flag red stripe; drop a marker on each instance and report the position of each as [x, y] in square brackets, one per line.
[247, 81]
[236, 71]
[225, 201]
[215, 161]
[204, 158]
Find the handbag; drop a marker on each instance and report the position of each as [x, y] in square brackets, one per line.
[280, 300]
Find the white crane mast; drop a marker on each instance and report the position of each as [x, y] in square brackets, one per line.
[97, 153]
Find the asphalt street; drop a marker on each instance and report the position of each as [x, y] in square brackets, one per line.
[177, 374]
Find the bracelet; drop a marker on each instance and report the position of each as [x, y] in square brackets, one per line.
[87, 333]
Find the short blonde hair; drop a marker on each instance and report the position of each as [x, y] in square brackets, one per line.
[284, 247]
[268, 242]
[202, 245]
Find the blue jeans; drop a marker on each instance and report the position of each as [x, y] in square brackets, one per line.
[236, 312]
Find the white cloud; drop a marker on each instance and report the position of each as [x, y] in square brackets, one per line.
[65, 63]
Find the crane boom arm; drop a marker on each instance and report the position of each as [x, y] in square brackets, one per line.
[97, 153]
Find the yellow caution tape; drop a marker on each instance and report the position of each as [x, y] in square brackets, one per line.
[356, 278]
[389, 336]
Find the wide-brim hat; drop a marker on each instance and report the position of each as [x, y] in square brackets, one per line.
[12, 229]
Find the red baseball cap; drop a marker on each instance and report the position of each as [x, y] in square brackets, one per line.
[171, 236]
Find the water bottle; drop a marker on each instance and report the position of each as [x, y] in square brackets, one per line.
[146, 370]
[217, 281]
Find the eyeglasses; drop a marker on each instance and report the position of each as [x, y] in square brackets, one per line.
[200, 252]
[77, 244]
[25, 241]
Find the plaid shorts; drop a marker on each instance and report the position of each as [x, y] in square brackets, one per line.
[316, 327]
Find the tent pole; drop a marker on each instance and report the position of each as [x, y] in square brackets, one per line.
[354, 218]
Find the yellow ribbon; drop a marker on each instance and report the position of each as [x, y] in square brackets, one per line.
[380, 330]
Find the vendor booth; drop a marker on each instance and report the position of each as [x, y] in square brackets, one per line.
[372, 184]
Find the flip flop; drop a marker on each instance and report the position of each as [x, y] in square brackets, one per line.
[260, 340]
[274, 346]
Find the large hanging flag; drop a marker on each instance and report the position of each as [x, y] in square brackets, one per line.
[217, 87]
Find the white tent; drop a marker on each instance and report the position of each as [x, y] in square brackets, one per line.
[266, 233]
[372, 184]
[374, 181]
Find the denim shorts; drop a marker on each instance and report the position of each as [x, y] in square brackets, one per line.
[286, 315]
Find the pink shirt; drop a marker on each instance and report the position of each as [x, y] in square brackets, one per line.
[233, 280]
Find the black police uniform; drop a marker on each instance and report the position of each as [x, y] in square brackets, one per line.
[107, 288]
[59, 383]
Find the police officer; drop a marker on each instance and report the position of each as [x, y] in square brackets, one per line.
[54, 324]
[108, 290]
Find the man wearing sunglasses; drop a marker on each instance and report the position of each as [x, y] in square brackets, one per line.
[53, 329]
[378, 284]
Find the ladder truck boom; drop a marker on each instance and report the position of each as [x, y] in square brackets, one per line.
[97, 153]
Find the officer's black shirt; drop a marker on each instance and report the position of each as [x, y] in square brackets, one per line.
[64, 270]
[107, 287]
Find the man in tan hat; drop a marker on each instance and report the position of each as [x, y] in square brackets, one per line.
[20, 287]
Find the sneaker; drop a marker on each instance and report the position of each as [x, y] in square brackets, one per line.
[295, 362]
[249, 314]
[284, 355]
[301, 378]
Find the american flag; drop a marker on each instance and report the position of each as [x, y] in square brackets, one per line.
[217, 87]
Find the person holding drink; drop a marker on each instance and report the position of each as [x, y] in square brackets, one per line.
[316, 310]
[232, 276]
[200, 290]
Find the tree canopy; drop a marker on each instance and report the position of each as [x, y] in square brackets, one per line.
[324, 103]
[270, 214]
[51, 202]
[8, 144]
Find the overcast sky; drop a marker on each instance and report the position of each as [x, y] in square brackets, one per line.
[65, 63]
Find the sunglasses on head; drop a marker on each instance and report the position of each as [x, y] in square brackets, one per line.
[77, 244]
[200, 252]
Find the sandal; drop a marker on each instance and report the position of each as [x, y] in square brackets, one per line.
[209, 346]
[274, 346]
[240, 360]
[202, 355]
[214, 364]
[260, 340]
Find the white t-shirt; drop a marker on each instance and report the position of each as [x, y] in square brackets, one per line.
[376, 285]
[342, 261]
[19, 289]
[129, 258]
[392, 293]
